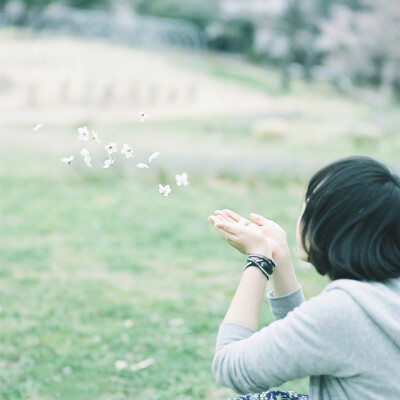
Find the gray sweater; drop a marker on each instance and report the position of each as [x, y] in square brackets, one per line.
[347, 339]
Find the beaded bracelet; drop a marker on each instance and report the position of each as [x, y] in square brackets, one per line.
[265, 264]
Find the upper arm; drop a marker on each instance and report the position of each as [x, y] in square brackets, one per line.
[304, 343]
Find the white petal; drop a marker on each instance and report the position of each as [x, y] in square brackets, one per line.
[153, 156]
[37, 127]
[95, 137]
[111, 148]
[67, 159]
[142, 165]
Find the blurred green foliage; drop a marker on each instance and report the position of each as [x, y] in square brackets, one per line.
[200, 12]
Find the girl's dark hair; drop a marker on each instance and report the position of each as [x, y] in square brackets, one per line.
[350, 227]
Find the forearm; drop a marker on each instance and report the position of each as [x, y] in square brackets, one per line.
[246, 303]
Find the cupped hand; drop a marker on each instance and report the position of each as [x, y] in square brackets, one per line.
[274, 233]
[240, 233]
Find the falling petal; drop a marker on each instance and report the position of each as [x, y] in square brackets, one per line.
[164, 190]
[111, 148]
[182, 179]
[37, 127]
[67, 160]
[95, 137]
[108, 163]
[153, 156]
[142, 116]
[83, 133]
[142, 165]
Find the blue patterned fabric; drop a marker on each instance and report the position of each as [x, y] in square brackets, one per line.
[273, 395]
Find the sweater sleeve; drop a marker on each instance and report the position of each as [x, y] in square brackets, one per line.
[312, 339]
[280, 306]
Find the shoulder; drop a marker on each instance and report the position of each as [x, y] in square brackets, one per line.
[332, 306]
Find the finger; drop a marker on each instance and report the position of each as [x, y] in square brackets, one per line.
[258, 219]
[232, 214]
[223, 215]
[244, 222]
[231, 228]
[226, 235]
[211, 218]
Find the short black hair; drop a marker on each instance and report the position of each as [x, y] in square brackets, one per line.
[350, 227]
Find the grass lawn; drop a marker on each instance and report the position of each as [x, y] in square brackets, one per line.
[97, 267]
[82, 252]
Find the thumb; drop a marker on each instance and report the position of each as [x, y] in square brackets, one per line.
[258, 219]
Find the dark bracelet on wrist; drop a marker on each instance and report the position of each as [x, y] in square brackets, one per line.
[264, 264]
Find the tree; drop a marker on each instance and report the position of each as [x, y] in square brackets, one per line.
[364, 45]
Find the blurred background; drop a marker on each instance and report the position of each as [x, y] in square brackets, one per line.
[109, 290]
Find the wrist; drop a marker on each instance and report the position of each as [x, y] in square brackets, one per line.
[262, 248]
[281, 251]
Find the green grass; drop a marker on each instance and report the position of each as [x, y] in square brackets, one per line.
[82, 252]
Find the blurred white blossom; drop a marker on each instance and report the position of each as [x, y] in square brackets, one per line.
[95, 137]
[153, 156]
[37, 127]
[142, 165]
[108, 163]
[127, 150]
[164, 190]
[83, 133]
[142, 116]
[182, 179]
[111, 148]
[67, 159]
[87, 158]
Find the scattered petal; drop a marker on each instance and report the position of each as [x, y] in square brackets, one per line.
[142, 364]
[120, 364]
[108, 163]
[37, 127]
[176, 322]
[153, 156]
[142, 165]
[127, 150]
[87, 158]
[111, 148]
[83, 133]
[67, 370]
[164, 190]
[88, 161]
[95, 137]
[142, 116]
[67, 159]
[128, 323]
[182, 179]
[85, 152]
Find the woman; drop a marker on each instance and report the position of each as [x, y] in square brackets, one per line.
[346, 339]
